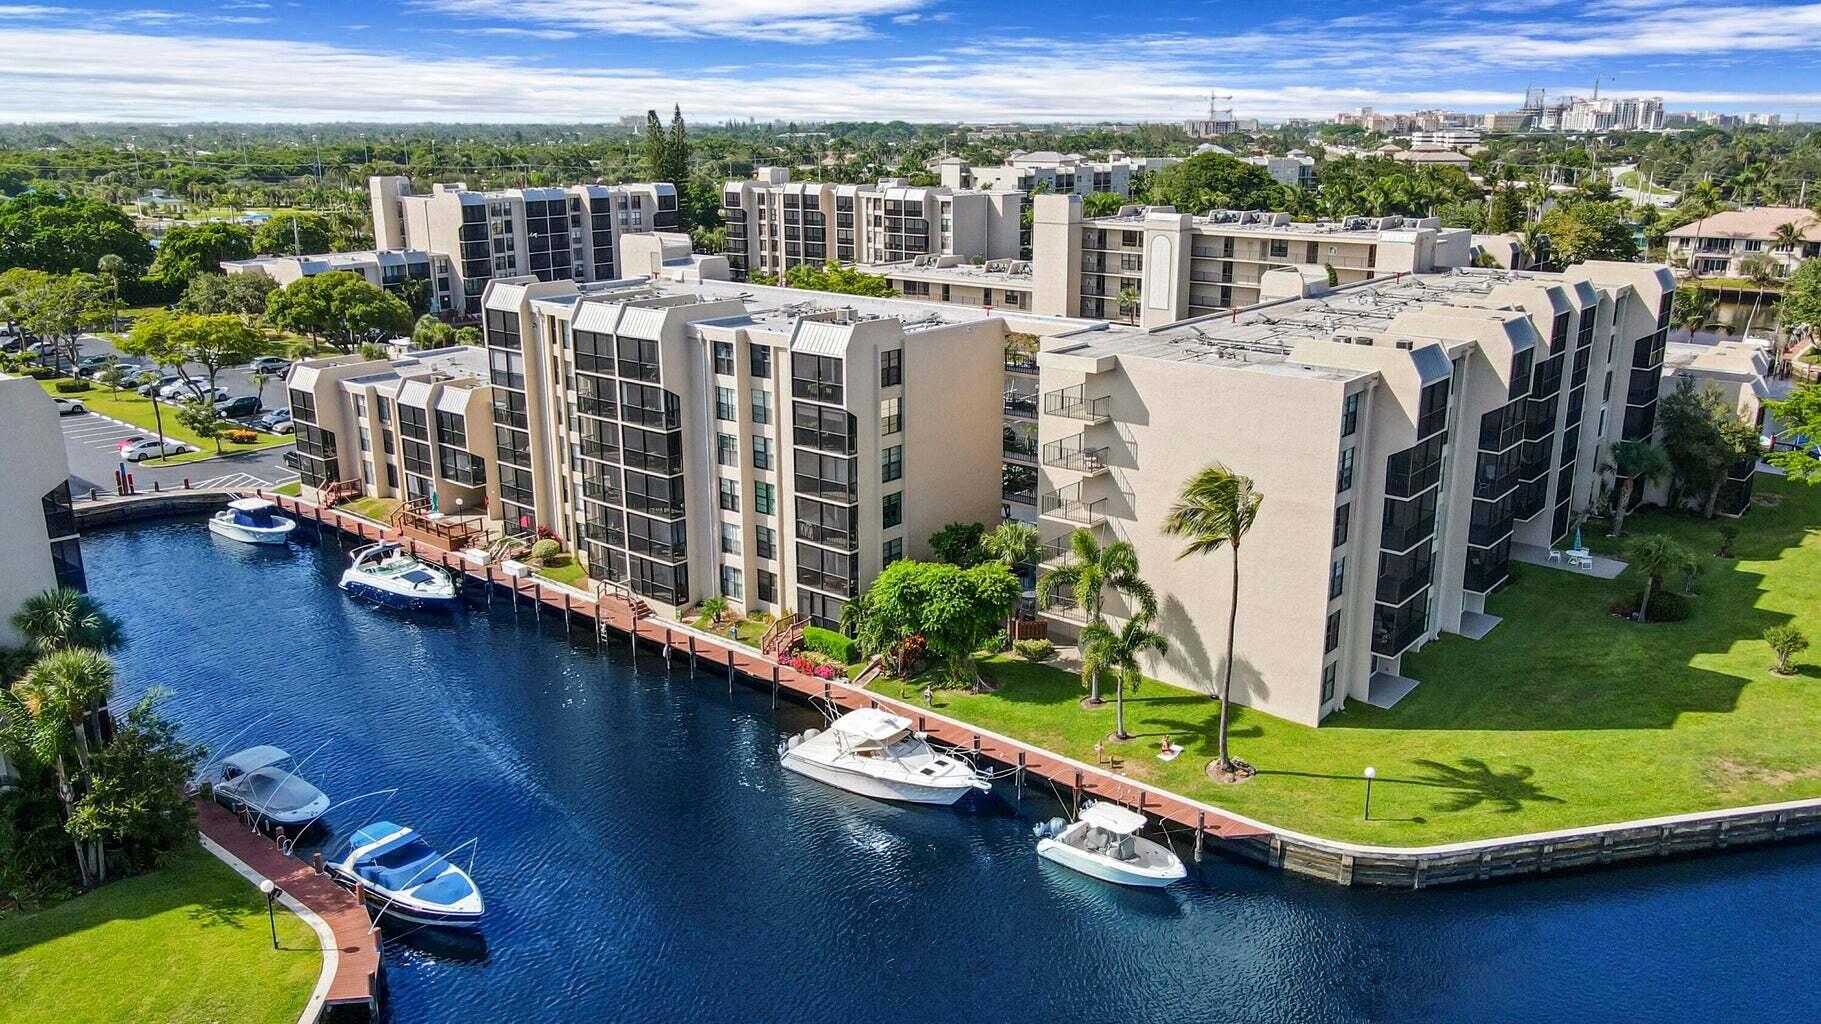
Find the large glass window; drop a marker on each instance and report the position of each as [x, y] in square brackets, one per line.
[730, 495]
[723, 358]
[764, 498]
[451, 429]
[892, 510]
[891, 416]
[761, 452]
[891, 463]
[891, 368]
[1344, 475]
[816, 378]
[758, 361]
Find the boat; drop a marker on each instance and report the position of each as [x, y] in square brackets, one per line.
[385, 574]
[1104, 843]
[251, 521]
[875, 753]
[405, 878]
[264, 779]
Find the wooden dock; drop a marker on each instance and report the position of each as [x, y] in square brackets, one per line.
[353, 982]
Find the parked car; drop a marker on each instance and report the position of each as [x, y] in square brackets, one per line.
[68, 406]
[276, 421]
[157, 383]
[127, 442]
[291, 459]
[182, 388]
[237, 408]
[150, 448]
[272, 366]
[90, 365]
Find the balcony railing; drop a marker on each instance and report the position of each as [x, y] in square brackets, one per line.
[1018, 449]
[1073, 403]
[1020, 362]
[1067, 506]
[1018, 404]
[1072, 454]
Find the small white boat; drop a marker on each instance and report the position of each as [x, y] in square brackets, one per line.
[265, 780]
[1104, 843]
[405, 878]
[873, 753]
[385, 574]
[251, 521]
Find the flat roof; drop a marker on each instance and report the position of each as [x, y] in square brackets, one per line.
[1364, 229]
[992, 273]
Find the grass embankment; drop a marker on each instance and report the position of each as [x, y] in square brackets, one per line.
[568, 571]
[293, 489]
[1638, 183]
[129, 407]
[1563, 716]
[377, 509]
[186, 943]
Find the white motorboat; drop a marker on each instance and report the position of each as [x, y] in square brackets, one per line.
[264, 779]
[873, 753]
[1104, 843]
[405, 878]
[251, 521]
[385, 574]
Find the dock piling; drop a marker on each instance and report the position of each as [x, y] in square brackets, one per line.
[774, 687]
[1201, 832]
[1020, 775]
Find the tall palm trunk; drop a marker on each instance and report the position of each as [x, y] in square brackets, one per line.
[1644, 605]
[1225, 762]
[1618, 511]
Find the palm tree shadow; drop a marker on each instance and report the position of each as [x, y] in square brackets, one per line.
[1475, 783]
[222, 910]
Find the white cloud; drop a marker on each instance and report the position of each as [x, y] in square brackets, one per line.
[521, 33]
[23, 12]
[775, 21]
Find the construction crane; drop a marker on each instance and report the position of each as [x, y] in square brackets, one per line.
[1214, 105]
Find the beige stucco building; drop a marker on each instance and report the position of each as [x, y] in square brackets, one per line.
[400, 271]
[1059, 173]
[39, 548]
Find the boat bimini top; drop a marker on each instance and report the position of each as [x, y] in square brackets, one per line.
[871, 727]
[1112, 817]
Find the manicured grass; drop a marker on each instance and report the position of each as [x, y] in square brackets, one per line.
[377, 509]
[291, 490]
[1639, 183]
[570, 572]
[184, 944]
[129, 407]
[1563, 716]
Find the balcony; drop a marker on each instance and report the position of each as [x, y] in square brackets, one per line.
[1067, 506]
[1018, 449]
[1020, 404]
[1072, 454]
[1075, 404]
[1020, 362]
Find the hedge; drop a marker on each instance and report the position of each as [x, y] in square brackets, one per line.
[831, 643]
[70, 387]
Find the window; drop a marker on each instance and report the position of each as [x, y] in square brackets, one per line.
[731, 583]
[385, 410]
[366, 440]
[894, 509]
[761, 452]
[765, 541]
[1331, 639]
[724, 405]
[451, 428]
[1349, 415]
[761, 407]
[1328, 672]
[817, 378]
[1341, 516]
[730, 538]
[1337, 577]
[892, 552]
[891, 416]
[758, 361]
[891, 464]
[723, 357]
[727, 449]
[1345, 476]
[768, 587]
[891, 368]
[730, 495]
[764, 498]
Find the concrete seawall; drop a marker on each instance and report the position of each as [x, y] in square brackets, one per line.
[111, 510]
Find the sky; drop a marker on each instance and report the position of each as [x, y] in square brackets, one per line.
[918, 60]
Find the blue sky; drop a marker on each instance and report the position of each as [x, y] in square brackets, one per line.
[979, 60]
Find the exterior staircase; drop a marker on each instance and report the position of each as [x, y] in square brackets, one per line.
[782, 638]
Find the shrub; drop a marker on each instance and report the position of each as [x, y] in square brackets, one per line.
[1786, 642]
[40, 372]
[826, 641]
[1665, 605]
[237, 435]
[1035, 650]
[820, 666]
[999, 643]
[544, 550]
[70, 387]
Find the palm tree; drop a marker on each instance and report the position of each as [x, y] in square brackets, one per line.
[1090, 572]
[259, 382]
[1217, 506]
[1694, 309]
[1129, 297]
[45, 716]
[1761, 271]
[1118, 652]
[1634, 463]
[1653, 556]
[111, 264]
[1787, 237]
[64, 617]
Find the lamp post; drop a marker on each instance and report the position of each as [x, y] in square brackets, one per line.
[272, 893]
[1371, 773]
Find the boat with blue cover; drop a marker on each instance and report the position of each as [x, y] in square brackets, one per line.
[405, 878]
[385, 574]
[251, 521]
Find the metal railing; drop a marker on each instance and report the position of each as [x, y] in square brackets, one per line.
[1072, 454]
[1075, 404]
[1067, 505]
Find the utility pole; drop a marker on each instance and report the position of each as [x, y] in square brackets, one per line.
[318, 159]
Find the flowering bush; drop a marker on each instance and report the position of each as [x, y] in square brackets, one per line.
[813, 664]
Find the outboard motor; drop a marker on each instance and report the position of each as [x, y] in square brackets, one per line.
[1049, 829]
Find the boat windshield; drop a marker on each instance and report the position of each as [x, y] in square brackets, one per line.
[398, 867]
[259, 520]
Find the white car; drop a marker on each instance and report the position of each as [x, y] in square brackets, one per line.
[182, 389]
[150, 448]
[68, 406]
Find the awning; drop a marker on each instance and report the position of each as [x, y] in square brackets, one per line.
[1112, 817]
[254, 758]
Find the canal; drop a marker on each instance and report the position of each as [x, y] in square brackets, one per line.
[644, 857]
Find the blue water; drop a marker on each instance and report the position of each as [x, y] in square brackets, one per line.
[645, 859]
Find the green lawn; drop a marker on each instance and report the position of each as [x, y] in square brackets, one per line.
[293, 489]
[1563, 716]
[185, 944]
[571, 572]
[1639, 183]
[377, 509]
[129, 407]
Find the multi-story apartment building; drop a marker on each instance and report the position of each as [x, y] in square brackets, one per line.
[774, 223]
[39, 548]
[1060, 173]
[553, 234]
[1626, 113]
[1720, 245]
[1440, 421]
[1294, 168]
[778, 447]
[412, 274]
[1156, 266]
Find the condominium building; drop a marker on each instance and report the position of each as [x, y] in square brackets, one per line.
[1156, 266]
[1721, 245]
[553, 234]
[412, 274]
[774, 446]
[1054, 172]
[1294, 168]
[39, 548]
[774, 223]
[1614, 113]
[1436, 424]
